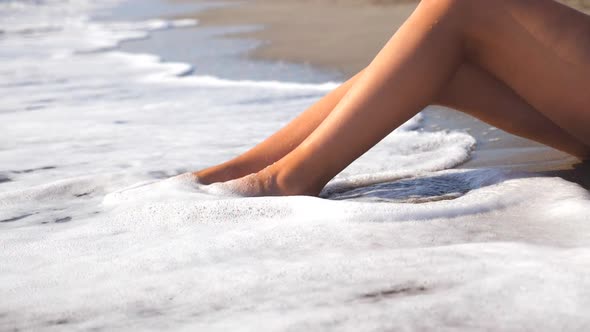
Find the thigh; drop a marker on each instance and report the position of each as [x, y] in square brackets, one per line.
[541, 49]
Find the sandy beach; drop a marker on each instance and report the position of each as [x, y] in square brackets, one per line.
[344, 35]
[110, 105]
[338, 34]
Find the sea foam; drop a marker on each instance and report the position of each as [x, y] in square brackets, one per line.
[100, 229]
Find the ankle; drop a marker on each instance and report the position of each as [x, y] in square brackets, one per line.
[292, 182]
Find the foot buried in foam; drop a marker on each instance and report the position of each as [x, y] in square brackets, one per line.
[258, 184]
[267, 182]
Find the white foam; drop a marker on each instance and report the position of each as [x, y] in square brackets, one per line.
[95, 233]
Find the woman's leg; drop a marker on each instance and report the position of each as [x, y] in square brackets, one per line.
[472, 91]
[475, 92]
[279, 144]
[420, 59]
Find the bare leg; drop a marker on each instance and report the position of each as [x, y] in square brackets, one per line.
[475, 92]
[279, 144]
[438, 38]
[472, 91]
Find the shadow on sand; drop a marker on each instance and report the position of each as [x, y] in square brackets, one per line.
[580, 174]
[419, 189]
[448, 186]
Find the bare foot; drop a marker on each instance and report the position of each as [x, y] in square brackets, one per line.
[252, 185]
[267, 182]
[220, 173]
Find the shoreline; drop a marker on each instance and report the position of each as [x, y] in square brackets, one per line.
[325, 34]
[341, 35]
[324, 37]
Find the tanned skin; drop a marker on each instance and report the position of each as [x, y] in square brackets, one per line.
[520, 65]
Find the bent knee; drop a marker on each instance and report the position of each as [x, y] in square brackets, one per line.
[463, 11]
[452, 6]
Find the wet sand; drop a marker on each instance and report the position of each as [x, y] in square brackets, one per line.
[344, 35]
[338, 34]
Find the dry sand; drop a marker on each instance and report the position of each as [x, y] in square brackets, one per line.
[345, 35]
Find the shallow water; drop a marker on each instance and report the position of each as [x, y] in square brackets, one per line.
[96, 235]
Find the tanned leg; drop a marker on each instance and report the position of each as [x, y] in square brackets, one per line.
[541, 49]
[279, 144]
[420, 59]
[475, 92]
[472, 91]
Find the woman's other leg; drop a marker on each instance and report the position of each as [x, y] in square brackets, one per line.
[475, 92]
[279, 144]
[541, 49]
